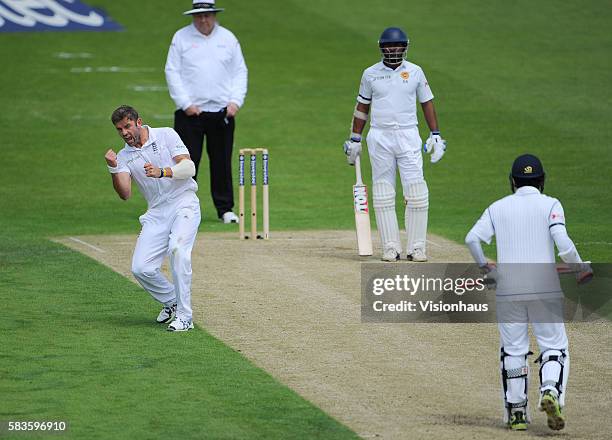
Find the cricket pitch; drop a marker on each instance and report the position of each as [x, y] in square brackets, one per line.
[292, 306]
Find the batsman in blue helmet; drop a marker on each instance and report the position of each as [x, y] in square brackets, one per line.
[388, 97]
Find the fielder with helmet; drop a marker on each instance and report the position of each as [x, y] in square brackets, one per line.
[527, 225]
[387, 95]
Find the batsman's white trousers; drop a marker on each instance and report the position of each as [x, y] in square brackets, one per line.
[392, 149]
[514, 318]
[168, 229]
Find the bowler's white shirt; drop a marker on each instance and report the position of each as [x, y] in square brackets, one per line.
[162, 146]
[393, 93]
[523, 224]
[206, 71]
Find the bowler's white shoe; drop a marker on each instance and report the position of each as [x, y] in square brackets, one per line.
[166, 314]
[229, 217]
[178, 325]
[418, 255]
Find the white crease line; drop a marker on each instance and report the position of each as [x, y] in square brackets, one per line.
[111, 69]
[605, 243]
[95, 248]
[143, 88]
[325, 238]
[276, 239]
[72, 55]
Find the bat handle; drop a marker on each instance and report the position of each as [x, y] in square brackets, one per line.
[358, 170]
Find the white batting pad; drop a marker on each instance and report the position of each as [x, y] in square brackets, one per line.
[550, 372]
[386, 219]
[517, 387]
[417, 205]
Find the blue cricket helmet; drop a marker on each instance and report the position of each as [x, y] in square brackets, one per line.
[393, 35]
[527, 170]
[393, 44]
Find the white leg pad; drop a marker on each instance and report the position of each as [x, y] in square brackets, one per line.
[515, 382]
[383, 195]
[416, 196]
[554, 372]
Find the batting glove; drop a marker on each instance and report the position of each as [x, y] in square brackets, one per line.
[585, 273]
[435, 145]
[352, 149]
[489, 272]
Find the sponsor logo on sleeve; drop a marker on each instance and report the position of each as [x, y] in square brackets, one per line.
[557, 217]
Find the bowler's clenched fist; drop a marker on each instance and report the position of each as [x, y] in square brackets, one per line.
[111, 158]
[151, 170]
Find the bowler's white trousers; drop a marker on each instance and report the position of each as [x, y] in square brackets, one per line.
[168, 229]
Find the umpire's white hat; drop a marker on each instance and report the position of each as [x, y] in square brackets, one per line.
[200, 6]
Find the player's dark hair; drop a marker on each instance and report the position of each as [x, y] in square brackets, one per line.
[124, 111]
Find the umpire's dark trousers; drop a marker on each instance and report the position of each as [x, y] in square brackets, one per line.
[219, 133]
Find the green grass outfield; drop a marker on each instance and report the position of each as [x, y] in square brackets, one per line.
[509, 78]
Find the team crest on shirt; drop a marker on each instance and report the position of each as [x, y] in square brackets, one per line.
[154, 146]
[405, 75]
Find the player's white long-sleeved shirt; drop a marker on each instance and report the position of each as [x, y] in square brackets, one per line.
[393, 93]
[526, 226]
[206, 71]
[162, 146]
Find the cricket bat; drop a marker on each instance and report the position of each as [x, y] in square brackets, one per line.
[362, 213]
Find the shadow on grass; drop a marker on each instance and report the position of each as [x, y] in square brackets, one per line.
[143, 322]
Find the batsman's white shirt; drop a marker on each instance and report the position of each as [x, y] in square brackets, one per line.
[206, 71]
[393, 93]
[523, 224]
[163, 144]
[393, 139]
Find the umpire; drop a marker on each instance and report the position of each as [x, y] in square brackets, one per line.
[207, 80]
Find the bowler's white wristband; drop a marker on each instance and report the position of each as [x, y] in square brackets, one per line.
[183, 170]
[113, 170]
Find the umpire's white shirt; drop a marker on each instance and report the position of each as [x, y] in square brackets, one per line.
[163, 144]
[392, 94]
[523, 225]
[206, 71]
